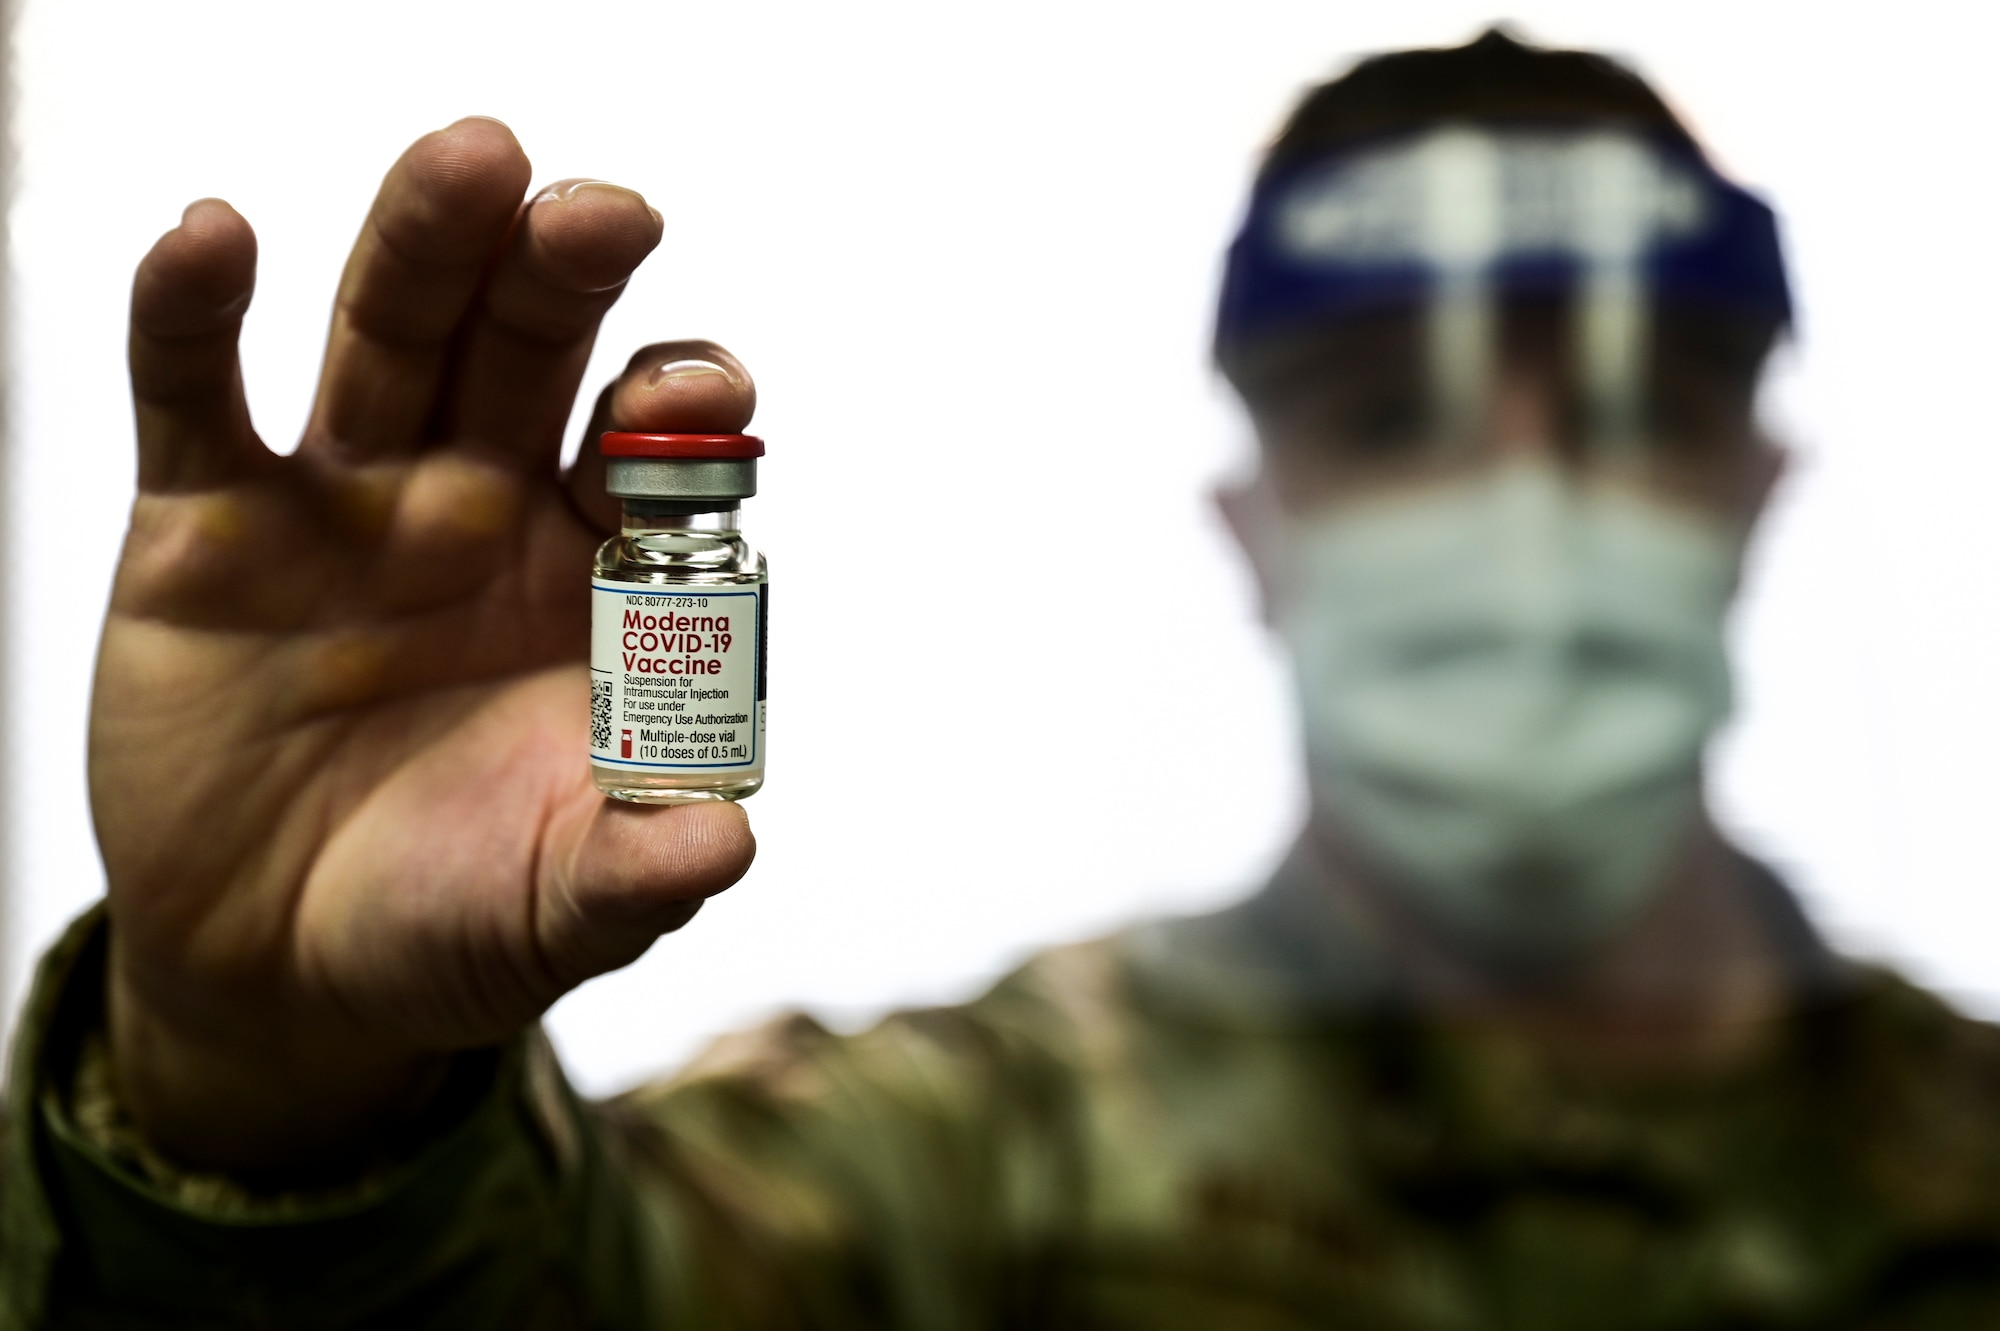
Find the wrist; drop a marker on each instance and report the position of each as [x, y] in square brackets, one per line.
[263, 1097]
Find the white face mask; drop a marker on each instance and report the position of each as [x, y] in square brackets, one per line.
[1506, 687]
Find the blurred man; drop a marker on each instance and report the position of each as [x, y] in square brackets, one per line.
[1515, 1039]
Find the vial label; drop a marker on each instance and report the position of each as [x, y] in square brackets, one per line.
[676, 677]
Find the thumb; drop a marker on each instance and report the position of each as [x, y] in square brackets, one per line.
[629, 874]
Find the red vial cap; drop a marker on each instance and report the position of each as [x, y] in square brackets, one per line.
[622, 444]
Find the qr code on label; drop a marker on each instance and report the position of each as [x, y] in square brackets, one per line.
[600, 713]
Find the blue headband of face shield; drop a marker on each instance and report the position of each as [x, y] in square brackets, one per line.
[1391, 223]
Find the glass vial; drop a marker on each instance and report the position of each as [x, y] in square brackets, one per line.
[677, 624]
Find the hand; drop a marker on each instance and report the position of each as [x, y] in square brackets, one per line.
[339, 729]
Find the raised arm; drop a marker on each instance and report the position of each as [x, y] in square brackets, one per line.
[338, 737]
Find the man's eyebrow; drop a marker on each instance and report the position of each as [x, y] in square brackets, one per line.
[1373, 348]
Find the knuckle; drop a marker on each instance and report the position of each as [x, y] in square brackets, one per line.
[193, 284]
[452, 195]
[590, 242]
[183, 545]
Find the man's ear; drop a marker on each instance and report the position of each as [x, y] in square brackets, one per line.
[1773, 460]
[1250, 512]
[1767, 466]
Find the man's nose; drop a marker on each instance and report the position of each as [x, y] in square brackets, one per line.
[1525, 420]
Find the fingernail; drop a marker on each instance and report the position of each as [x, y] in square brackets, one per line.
[690, 369]
[565, 190]
[188, 211]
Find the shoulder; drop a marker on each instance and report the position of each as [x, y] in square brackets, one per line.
[1908, 1087]
[1062, 1005]
[1909, 1033]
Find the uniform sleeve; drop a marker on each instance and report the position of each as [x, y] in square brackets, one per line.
[928, 1173]
[504, 1214]
[914, 1176]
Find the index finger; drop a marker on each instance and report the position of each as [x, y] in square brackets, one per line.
[687, 387]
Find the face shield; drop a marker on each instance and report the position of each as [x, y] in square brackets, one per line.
[1449, 222]
[1507, 679]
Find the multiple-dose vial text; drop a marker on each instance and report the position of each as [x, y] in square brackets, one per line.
[679, 618]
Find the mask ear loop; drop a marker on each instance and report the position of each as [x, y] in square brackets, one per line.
[1618, 194]
[1460, 231]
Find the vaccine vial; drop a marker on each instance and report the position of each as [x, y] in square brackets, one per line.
[677, 623]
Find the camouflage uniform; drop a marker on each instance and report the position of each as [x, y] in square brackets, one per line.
[1228, 1122]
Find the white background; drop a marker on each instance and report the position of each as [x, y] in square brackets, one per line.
[969, 252]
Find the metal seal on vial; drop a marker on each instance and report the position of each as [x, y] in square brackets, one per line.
[702, 471]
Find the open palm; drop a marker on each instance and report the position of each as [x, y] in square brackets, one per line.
[338, 734]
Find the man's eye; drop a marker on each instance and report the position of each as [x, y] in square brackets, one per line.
[1387, 424]
[1697, 419]
[1389, 421]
